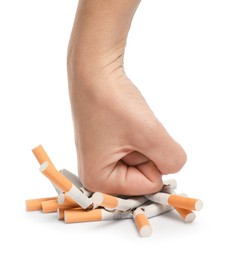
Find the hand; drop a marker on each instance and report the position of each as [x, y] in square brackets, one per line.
[122, 147]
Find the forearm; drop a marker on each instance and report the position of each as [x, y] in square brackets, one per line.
[99, 34]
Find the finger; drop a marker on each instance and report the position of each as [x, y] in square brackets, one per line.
[162, 149]
[135, 158]
[169, 156]
[129, 180]
[151, 172]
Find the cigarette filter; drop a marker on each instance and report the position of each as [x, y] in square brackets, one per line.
[49, 206]
[186, 214]
[35, 204]
[176, 201]
[41, 155]
[60, 212]
[52, 206]
[72, 216]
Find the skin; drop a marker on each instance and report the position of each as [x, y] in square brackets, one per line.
[122, 148]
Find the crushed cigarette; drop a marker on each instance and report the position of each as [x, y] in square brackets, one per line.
[74, 203]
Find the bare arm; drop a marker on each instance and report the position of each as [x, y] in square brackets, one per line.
[122, 148]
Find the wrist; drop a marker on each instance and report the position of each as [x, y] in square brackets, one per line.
[96, 66]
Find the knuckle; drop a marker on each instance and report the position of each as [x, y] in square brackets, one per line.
[176, 163]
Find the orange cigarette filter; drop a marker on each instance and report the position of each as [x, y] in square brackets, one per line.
[65, 185]
[52, 206]
[60, 212]
[56, 177]
[72, 216]
[105, 200]
[49, 206]
[109, 201]
[187, 215]
[142, 223]
[176, 201]
[41, 155]
[68, 202]
[36, 204]
[184, 202]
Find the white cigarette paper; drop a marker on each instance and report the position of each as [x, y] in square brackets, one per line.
[142, 223]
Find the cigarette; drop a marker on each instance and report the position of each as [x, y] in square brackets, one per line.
[113, 203]
[76, 181]
[61, 198]
[172, 183]
[65, 200]
[86, 192]
[41, 155]
[60, 212]
[52, 205]
[121, 214]
[35, 204]
[155, 209]
[186, 214]
[65, 185]
[114, 215]
[142, 223]
[49, 206]
[72, 216]
[72, 177]
[176, 201]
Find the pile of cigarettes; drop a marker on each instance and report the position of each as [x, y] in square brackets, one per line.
[74, 203]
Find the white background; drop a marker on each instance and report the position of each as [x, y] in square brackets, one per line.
[181, 56]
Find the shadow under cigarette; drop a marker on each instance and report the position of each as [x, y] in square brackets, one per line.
[108, 223]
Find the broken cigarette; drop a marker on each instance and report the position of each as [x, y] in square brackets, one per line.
[41, 155]
[154, 209]
[72, 178]
[170, 184]
[113, 203]
[65, 185]
[86, 192]
[76, 181]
